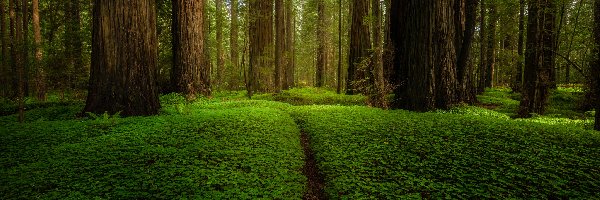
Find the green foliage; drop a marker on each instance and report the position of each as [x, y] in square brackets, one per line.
[373, 154]
[209, 154]
[312, 96]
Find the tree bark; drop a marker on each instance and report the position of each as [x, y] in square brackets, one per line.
[376, 78]
[206, 60]
[220, 53]
[518, 85]
[360, 44]
[539, 57]
[425, 64]
[340, 55]
[322, 43]
[124, 58]
[482, 50]
[261, 46]
[233, 40]
[491, 45]
[465, 32]
[4, 66]
[279, 44]
[289, 46]
[189, 75]
[40, 76]
[596, 67]
[18, 53]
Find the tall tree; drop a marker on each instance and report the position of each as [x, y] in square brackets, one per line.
[481, 84]
[233, 40]
[465, 30]
[596, 66]
[425, 62]
[518, 83]
[360, 44]
[4, 67]
[261, 46]
[290, 32]
[73, 44]
[279, 43]
[220, 53]
[322, 59]
[189, 75]
[491, 44]
[340, 55]
[206, 60]
[375, 73]
[40, 74]
[124, 58]
[539, 56]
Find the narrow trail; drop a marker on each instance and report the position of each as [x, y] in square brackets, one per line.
[316, 184]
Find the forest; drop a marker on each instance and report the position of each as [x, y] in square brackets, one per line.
[300, 99]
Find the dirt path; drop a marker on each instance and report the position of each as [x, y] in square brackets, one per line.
[315, 183]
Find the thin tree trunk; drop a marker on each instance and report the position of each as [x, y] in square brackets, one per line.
[279, 44]
[596, 67]
[220, 53]
[518, 85]
[189, 76]
[74, 46]
[233, 40]
[491, 46]
[40, 78]
[206, 61]
[4, 66]
[288, 80]
[124, 58]
[340, 55]
[322, 46]
[465, 43]
[482, 50]
[376, 79]
[570, 48]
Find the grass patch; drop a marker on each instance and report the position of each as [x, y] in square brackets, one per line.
[373, 154]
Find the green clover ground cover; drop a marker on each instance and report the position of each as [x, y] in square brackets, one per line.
[209, 154]
[370, 153]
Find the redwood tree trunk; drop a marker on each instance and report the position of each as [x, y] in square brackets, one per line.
[234, 82]
[466, 15]
[189, 75]
[360, 44]
[376, 78]
[596, 67]
[261, 46]
[279, 44]
[40, 74]
[538, 57]
[124, 58]
[220, 55]
[518, 84]
[481, 84]
[423, 35]
[289, 45]
[491, 45]
[322, 42]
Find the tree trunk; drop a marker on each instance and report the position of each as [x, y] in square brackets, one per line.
[40, 76]
[261, 45]
[206, 60]
[465, 33]
[518, 85]
[376, 79]
[124, 58]
[289, 46]
[491, 45]
[482, 50]
[220, 55]
[4, 66]
[189, 75]
[18, 53]
[322, 43]
[74, 47]
[425, 63]
[360, 44]
[596, 67]
[233, 40]
[340, 55]
[570, 48]
[279, 44]
[538, 57]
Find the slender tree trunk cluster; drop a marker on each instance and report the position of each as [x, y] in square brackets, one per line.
[322, 59]
[518, 85]
[491, 45]
[539, 57]
[360, 45]
[18, 50]
[4, 66]
[220, 79]
[279, 44]
[40, 74]
[290, 64]
[73, 46]
[234, 82]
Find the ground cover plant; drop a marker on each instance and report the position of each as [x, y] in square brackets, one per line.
[230, 147]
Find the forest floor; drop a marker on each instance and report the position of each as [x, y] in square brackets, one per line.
[301, 144]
